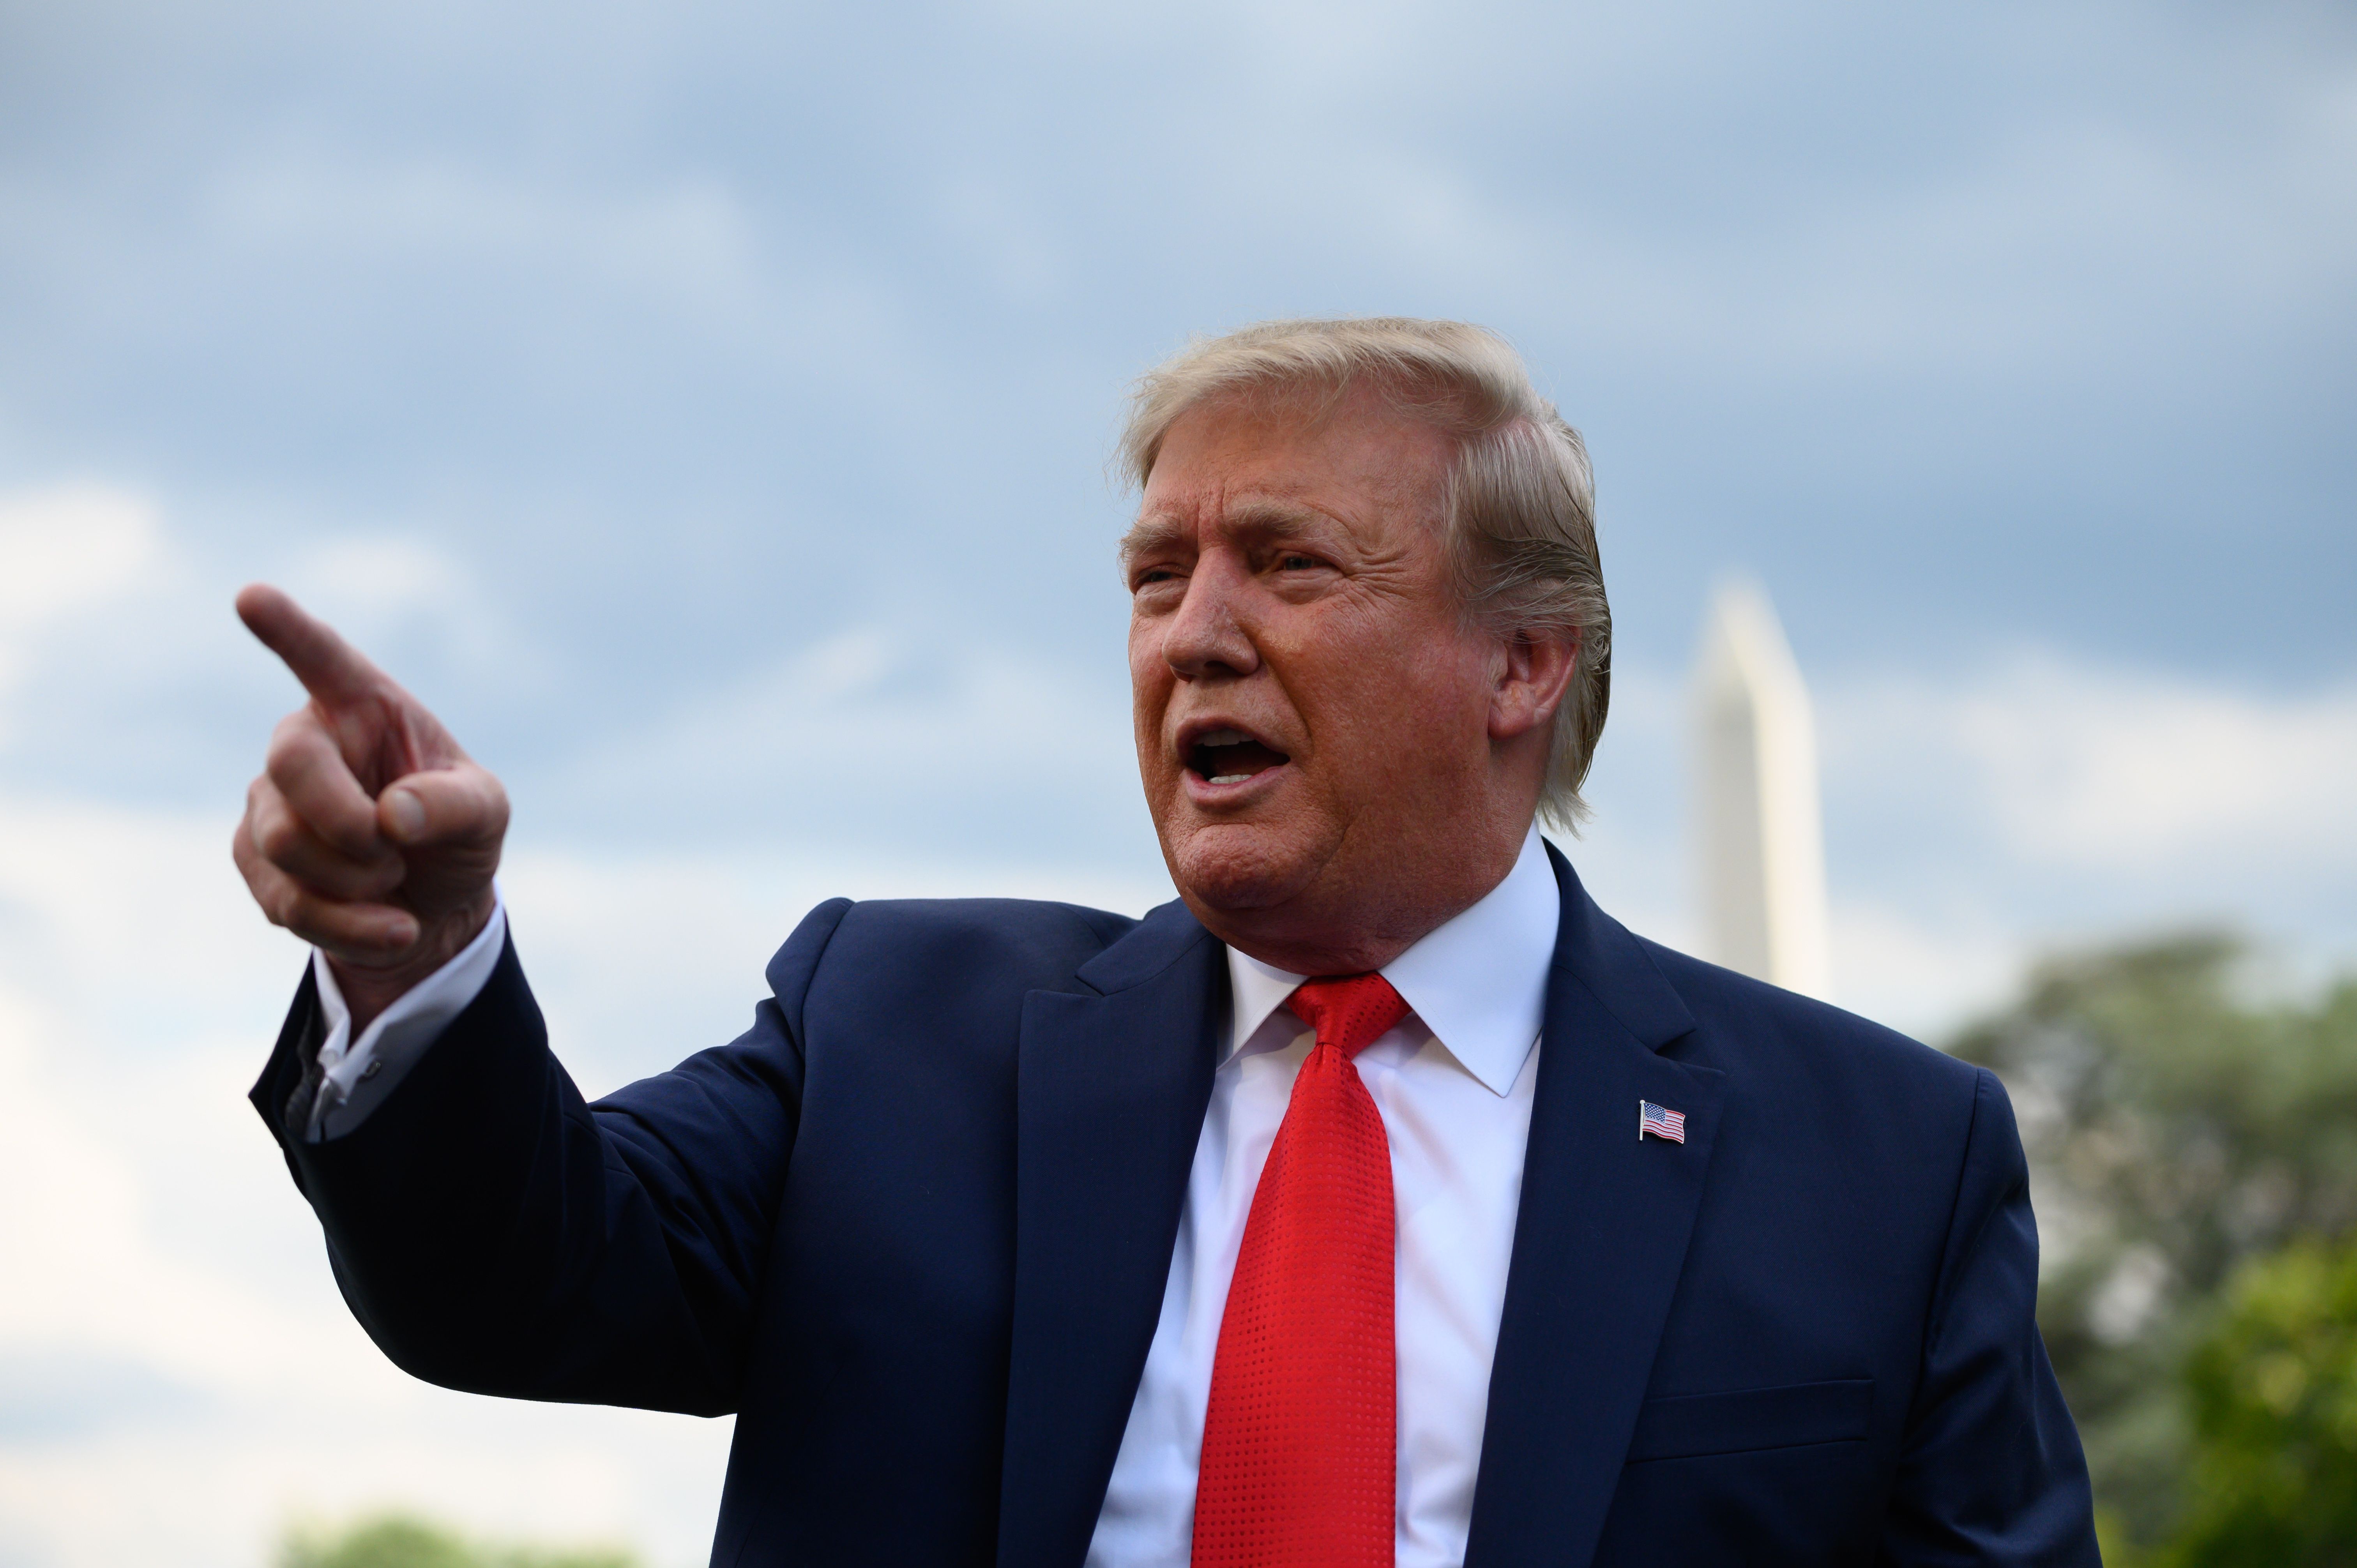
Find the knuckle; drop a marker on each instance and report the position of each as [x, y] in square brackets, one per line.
[278, 838]
[292, 734]
[285, 769]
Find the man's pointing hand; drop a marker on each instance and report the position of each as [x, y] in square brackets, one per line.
[370, 834]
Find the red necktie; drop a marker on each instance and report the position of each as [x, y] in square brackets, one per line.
[1300, 1441]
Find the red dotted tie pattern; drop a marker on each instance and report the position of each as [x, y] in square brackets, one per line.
[1300, 1444]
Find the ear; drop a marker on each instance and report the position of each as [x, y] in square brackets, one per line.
[1534, 676]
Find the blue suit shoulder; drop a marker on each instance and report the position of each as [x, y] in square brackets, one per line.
[1037, 938]
[977, 955]
[1879, 1132]
[1747, 1025]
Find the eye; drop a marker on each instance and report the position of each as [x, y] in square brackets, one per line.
[1294, 561]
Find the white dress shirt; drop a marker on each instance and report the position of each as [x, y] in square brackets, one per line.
[1452, 1081]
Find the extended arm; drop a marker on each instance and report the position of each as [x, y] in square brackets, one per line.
[490, 1231]
[493, 1233]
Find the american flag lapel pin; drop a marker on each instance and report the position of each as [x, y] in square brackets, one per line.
[1661, 1121]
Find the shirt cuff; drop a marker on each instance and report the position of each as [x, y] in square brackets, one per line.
[356, 1075]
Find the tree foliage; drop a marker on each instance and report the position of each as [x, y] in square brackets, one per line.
[404, 1540]
[2274, 1397]
[2176, 1128]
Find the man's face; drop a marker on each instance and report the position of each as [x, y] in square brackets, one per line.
[1313, 717]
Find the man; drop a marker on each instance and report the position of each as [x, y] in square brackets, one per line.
[1379, 1200]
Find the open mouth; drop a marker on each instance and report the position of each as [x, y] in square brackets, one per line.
[1230, 757]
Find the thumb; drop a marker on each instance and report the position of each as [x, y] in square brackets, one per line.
[457, 805]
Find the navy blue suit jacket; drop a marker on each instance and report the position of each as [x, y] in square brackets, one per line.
[912, 1228]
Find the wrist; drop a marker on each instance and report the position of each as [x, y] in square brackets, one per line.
[370, 989]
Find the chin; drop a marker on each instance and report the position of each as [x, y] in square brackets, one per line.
[1238, 866]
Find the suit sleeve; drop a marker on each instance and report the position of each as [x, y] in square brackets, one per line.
[1991, 1470]
[494, 1233]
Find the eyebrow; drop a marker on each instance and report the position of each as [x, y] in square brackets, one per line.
[1273, 520]
[1149, 534]
[1260, 519]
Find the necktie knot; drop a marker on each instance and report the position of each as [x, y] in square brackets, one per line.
[1350, 1012]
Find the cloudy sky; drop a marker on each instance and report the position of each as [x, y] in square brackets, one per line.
[706, 408]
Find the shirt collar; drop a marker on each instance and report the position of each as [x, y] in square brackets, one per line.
[1478, 982]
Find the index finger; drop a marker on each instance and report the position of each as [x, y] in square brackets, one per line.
[330, 668]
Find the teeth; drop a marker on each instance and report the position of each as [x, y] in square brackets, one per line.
[1224, 737]
[1232, 779]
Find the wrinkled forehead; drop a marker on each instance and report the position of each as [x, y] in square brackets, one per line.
[1268, 462]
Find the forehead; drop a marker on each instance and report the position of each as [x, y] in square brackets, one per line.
[1354, 458]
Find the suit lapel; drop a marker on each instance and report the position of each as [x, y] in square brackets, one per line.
[1598, 1242]
[1110, 1090]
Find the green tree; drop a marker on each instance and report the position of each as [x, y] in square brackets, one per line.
[2176, 1127]
[404, 1540]
[2274, 1408]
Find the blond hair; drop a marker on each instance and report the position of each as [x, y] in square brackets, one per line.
[1518, 521]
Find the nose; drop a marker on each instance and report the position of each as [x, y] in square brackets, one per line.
[1206, 639]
